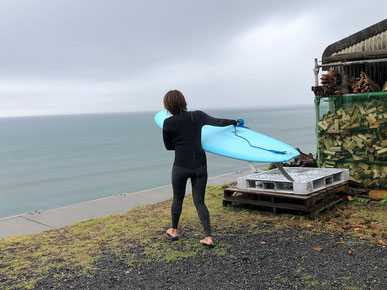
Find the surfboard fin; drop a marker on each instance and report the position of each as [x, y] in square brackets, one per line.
[283, 171]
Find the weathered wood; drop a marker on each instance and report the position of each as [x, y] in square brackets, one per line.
[365, 84]
[266, 203]
[317, 210]
[304, 203]
[355, 132]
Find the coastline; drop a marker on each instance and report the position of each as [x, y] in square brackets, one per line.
[47, 169]
[38, 221]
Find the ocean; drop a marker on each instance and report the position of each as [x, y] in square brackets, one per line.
[53, 161]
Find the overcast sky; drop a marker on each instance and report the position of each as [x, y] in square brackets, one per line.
[93, 56]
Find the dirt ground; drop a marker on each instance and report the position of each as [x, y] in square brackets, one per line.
[341, 249]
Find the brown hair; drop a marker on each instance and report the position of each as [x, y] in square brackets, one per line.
[174, 102]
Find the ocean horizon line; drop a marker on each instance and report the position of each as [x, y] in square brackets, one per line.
[155, 111]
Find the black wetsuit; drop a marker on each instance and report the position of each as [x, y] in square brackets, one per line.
[182, 133]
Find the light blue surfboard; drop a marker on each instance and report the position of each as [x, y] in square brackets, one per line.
[223, 141]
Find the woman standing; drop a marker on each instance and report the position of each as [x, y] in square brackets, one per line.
[182, 133]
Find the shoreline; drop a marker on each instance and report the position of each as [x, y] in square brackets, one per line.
[38, 221]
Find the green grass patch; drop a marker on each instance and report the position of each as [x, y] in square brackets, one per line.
[27, 258]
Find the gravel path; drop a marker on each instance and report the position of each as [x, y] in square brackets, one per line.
[274, 260]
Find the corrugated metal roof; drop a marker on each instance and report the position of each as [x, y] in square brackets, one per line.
[369, 42]
[376, 42]
[363, 51]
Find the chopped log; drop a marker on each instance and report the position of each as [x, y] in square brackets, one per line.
[331, 83]
[364, 84]
[344, 143]
[318, 90]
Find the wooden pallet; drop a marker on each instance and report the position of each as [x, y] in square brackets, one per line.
[310, 204]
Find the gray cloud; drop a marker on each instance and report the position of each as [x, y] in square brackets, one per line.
[97, 56]
[113, 38]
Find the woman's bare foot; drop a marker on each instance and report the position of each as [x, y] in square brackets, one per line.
[172, 232]
[207, 241]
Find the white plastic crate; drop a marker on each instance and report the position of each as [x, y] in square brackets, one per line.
[306, 180]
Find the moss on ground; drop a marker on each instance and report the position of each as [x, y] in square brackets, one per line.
[27, 258]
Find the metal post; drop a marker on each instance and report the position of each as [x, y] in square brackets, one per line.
[283, 171]
[316, 70]
[343, 63]
[252, 166]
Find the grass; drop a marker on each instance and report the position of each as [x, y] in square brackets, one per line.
[26, 259]
[363, 221]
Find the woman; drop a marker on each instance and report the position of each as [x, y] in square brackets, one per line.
[182, 133]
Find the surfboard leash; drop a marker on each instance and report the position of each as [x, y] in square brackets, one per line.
[269, 150]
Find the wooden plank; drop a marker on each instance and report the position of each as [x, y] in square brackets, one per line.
[268, 203]
[322, 125]
[332, 203]
[313, 204]
[295, 196]
[332, 191]
[381, 151]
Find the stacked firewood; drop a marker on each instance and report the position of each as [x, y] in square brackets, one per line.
[355, 138]
[318, 90]
[331, 83]
[335, 84]
[365, 84]
[366, 175]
